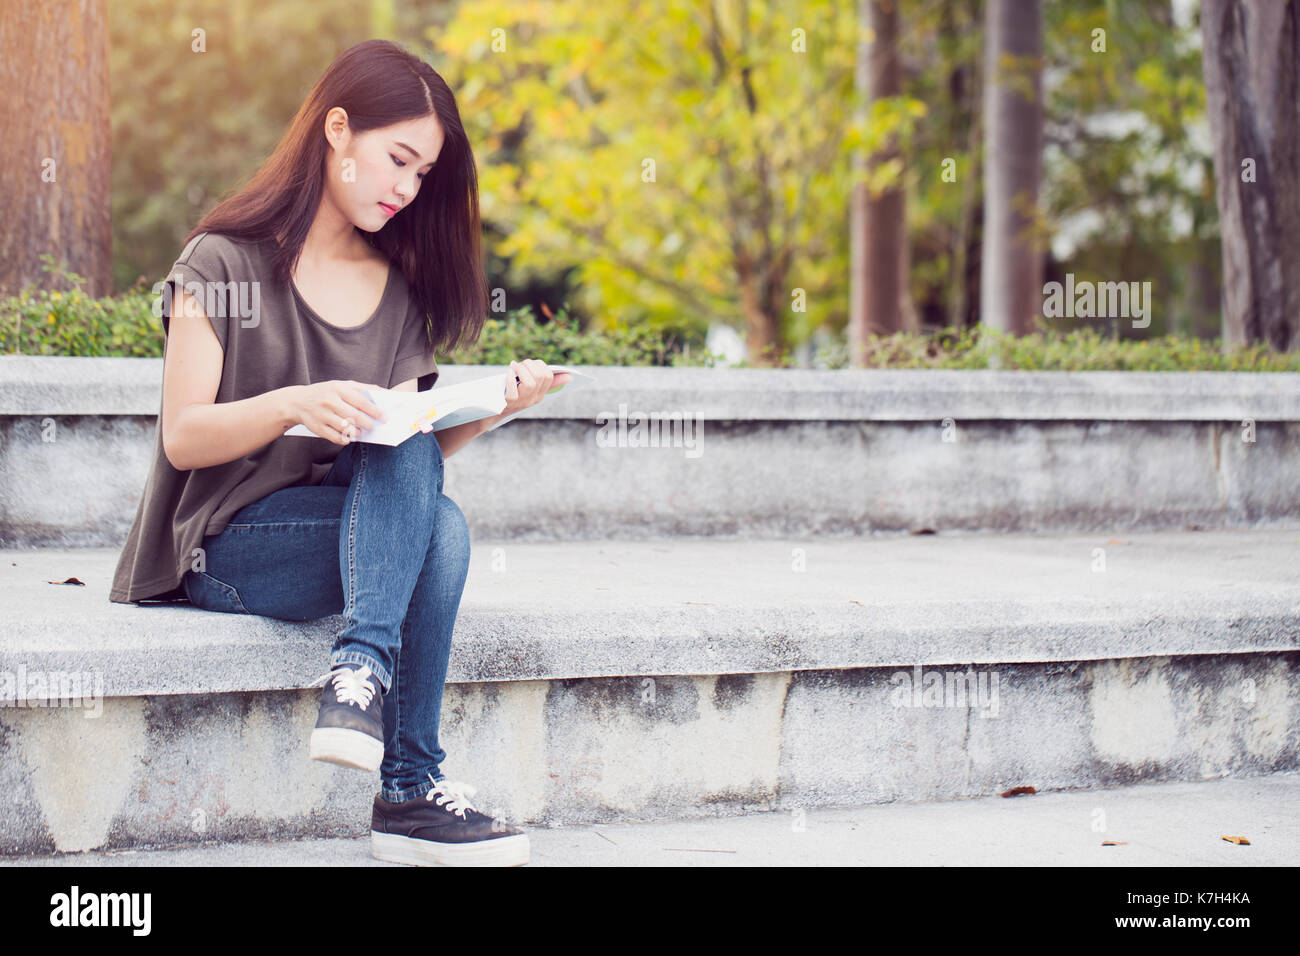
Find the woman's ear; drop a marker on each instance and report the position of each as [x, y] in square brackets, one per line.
[336, 126]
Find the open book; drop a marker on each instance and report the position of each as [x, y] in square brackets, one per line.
[442, 406]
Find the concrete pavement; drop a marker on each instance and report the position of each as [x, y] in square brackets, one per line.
[1178, 824]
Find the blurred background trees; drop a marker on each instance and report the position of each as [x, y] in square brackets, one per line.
[54, 153]
[687, 167]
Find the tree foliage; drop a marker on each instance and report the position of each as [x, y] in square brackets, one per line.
[747, 110]
[690, 159]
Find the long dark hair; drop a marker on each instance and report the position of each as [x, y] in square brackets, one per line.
[435, 241]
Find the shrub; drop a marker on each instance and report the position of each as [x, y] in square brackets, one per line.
[45, 322]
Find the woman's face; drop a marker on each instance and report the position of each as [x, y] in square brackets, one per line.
[375, 175]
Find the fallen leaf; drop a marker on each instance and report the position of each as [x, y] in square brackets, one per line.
[1239, 840]
[68, 581]
[923, 531]
[858, 603]
[1114, 843]
[1019, 791]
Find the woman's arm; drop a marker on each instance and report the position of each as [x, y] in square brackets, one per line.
[197, 432]
[452, 440]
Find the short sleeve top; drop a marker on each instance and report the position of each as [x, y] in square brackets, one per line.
[270, 338]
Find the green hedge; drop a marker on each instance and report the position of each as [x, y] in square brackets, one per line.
[1081, 350]
[43, 322]
[561, 341]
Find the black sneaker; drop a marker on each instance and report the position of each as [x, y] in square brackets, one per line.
[350, 728]
[443, 830]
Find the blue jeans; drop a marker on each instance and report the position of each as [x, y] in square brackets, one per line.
[378, 542]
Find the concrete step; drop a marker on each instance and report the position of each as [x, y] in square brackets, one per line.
[605, 681]
[770, 453]
[1178, 824]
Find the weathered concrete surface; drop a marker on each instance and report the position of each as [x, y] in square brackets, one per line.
[175, 769]
[604, 681]
[710, 606]
[53, 385]
[770, 453]
[1172, 824]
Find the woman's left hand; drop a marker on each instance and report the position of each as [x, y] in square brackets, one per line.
[531, 381]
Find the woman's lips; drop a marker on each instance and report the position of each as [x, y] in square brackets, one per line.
[391, 210]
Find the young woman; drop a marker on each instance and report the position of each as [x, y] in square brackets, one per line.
[346, 262]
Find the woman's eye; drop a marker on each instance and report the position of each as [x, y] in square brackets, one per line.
[400, 163]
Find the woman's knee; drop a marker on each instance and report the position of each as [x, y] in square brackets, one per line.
[419, 456]
[422, 445]
[451, 529]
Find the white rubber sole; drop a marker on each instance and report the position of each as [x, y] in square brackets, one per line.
[502, 851]
[347, 748]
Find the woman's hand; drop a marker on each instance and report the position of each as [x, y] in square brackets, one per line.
[337, 410]
[531, 381]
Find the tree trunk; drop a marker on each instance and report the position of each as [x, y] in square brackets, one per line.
[55, 150]
[963, 280]
[761, 301]
[880, 300]
[1251, 57]
[1011, 276]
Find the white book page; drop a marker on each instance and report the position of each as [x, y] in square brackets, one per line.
[443, 406]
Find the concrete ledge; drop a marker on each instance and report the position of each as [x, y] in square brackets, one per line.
[770, 454]
[53, 385]
[711, 606]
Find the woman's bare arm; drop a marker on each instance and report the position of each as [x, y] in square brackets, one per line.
[197, 432]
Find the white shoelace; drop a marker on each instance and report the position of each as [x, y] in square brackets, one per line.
[455, 795]
[351, 687]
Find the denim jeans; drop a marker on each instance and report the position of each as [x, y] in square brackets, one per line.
[379, 543]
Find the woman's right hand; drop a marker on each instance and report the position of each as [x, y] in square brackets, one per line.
[337, 410]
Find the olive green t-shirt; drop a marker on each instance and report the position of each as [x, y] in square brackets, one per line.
[270, 338]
